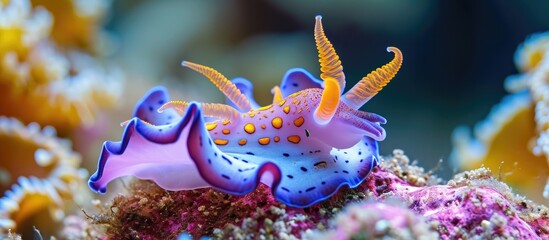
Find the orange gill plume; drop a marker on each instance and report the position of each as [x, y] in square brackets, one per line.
[215, 110]
[221, 82]
[330, 65]
[328, 103]
[372, 83]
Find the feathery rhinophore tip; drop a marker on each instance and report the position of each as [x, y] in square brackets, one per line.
[330, 65]
[372, 83]
[227, 87]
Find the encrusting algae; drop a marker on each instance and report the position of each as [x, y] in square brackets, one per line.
[64, 86]
[514, 138]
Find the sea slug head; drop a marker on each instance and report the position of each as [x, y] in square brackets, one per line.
[338, 122]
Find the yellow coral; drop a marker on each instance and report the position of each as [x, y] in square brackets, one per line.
[42, 81]
[531, 52]
[514, 139]
[76, 22]
[39, 175]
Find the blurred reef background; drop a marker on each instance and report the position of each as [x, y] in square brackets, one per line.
[71, 70]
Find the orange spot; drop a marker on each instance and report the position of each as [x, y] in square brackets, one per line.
[221, 141]
[265, 108]
[277, 122]
[286, 109]
[211, 126]
[265, 116]
[249, 128]
[294, 139]
[225, 122]
[281, 103]
[264, 141]
[242, 141]
[276, 139]
[300, 110]
[294, 94]
[263, 126]
[226, 131]
[299, 121]
[321, 165]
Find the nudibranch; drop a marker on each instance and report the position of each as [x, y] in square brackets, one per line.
[308, 143]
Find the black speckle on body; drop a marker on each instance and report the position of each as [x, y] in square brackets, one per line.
[227, 159]
[319, 163]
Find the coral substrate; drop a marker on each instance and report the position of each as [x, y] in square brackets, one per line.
[398, 199]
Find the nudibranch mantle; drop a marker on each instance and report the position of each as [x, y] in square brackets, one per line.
[308, 143]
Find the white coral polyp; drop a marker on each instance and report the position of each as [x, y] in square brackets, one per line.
[36, 24]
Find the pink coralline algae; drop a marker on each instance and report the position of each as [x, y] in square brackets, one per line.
[471, 205]
[374, 220]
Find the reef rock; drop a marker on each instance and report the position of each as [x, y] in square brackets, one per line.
[398, 199]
